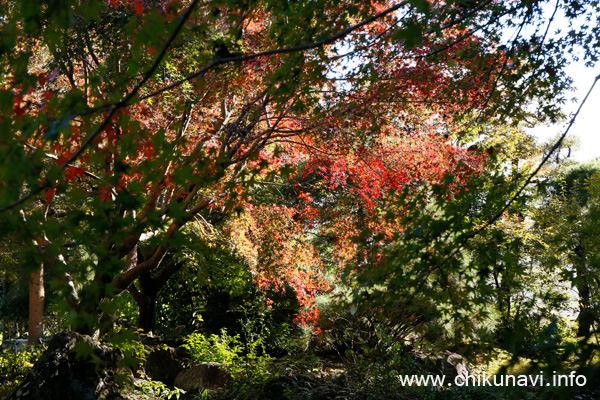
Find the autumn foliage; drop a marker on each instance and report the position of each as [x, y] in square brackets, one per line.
[129, 120]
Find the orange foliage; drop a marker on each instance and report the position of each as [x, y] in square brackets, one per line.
[279, 252]
[213, 138]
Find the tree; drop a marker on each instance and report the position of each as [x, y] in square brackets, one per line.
[146, 116]
[567, 224]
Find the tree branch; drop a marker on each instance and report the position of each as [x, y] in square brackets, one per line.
[121, 104]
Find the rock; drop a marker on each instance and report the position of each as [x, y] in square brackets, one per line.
[74, 367]
[208, 375]
[164, 365]
[459, 363]
[14, 345]
[444, 363]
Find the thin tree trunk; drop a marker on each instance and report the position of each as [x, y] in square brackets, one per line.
[586, 315]
[36, 306]
[37, 294]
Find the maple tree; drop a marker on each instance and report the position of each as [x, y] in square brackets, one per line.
[125, 121]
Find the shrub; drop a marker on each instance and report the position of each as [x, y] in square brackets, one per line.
[14, 367]
[156, 389]
[214, 348]
[243, 356]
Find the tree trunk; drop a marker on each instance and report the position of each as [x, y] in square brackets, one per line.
[586, 315]
[147, 315]
[147, 294]
[37, 294]
[36, 306]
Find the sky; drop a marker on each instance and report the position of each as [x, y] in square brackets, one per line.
[587, 125]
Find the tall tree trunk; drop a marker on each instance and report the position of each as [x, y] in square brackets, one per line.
[36, 306]
[147, 313]
[37, 294]
[586, 315]
[504, 300]
[145, 299]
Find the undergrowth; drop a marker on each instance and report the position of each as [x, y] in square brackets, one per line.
[14, 367]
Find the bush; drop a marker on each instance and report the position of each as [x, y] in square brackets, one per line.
[130, 343]
[350, 335]
[245, 356]
[14, 367]
[214, 348]
[156, 389]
